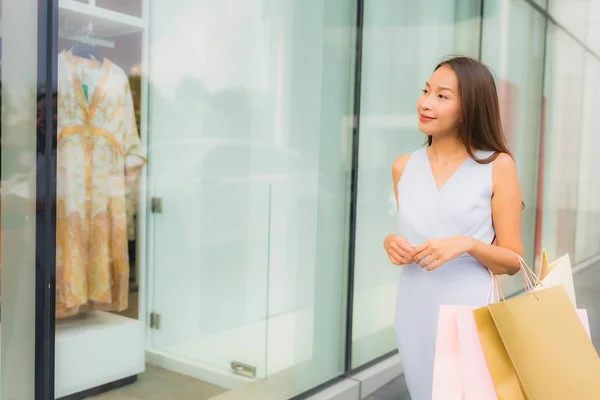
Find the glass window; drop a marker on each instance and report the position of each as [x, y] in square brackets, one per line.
[587, 240]
[403, 41]
[133, 8]
[572, 15]
[593, 26]
[204, 164]
[587, 234]
[19, 130]
[562, 142]
[513, 30]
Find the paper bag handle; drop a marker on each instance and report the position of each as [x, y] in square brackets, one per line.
[530, 280]
[495, 289]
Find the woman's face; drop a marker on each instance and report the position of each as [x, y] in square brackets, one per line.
[439, 105]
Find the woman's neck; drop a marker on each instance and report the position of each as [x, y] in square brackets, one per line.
[447, 149]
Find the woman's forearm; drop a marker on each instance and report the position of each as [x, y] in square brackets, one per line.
[499, 260]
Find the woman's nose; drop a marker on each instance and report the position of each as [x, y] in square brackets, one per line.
[426, 103]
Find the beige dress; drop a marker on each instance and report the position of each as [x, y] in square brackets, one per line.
[99, 151]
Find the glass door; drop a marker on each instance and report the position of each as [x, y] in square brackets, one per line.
[250, 147]
[210, 180]
[210, 250]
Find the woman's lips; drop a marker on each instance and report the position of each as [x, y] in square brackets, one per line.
[425, 118]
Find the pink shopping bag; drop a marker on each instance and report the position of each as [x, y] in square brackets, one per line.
[460, 371]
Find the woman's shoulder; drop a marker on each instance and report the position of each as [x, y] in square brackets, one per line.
[400, 163]
[504, 160]
[504, 169]
[504, 163]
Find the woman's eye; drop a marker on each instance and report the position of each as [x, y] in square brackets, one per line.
[424, 91]
[441, 96]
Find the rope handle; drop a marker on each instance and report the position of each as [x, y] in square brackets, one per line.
[530, 280]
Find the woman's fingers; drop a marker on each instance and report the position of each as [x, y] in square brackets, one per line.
[394, 253]
[395, 256]
[397, 251]
[423, 247]
[423, 255]
[436, 264]
[405, 247]
[400, 251]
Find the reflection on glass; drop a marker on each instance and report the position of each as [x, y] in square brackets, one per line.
[18, 85]
[572, 15]
[252, 121]
[520, 96]
[592, 39]
[202, 194]
[587, 239]
[562, 145]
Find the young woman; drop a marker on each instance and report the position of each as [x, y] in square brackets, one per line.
[459, 211]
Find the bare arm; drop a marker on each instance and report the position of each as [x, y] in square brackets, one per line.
[506, 217]
[399, 251]
[397, 171]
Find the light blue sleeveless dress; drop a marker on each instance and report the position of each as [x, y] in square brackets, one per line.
[461, 206]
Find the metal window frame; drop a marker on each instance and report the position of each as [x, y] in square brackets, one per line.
[46, 267]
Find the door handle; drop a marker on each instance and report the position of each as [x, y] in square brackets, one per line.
[156, 205]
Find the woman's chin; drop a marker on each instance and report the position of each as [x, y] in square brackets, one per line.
[426, 130]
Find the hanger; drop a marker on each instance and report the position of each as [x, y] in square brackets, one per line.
[84, 48]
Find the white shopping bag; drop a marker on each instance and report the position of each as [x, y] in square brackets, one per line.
[557, 273]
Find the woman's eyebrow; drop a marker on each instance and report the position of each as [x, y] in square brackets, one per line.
[439, 87]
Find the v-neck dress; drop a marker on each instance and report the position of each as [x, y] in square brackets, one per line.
[462, 206]
[97, 142]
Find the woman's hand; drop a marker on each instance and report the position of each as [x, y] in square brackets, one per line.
[434, 253]
[399, 251]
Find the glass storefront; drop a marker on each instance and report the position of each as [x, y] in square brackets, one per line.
[562, 144]
[22, 125]
[203, 184]
[213, 191]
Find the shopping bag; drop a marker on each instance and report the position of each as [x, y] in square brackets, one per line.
[544, 266]
[477, 380]
[557, 273]
[500, 366]
[537, 348]
[447, 380]
[460, 371]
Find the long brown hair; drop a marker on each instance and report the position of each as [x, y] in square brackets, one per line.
[481, 128]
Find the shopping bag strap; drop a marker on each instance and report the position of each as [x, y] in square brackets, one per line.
[490, 296]
[495, 293]
[530, 280]
[529, 277]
